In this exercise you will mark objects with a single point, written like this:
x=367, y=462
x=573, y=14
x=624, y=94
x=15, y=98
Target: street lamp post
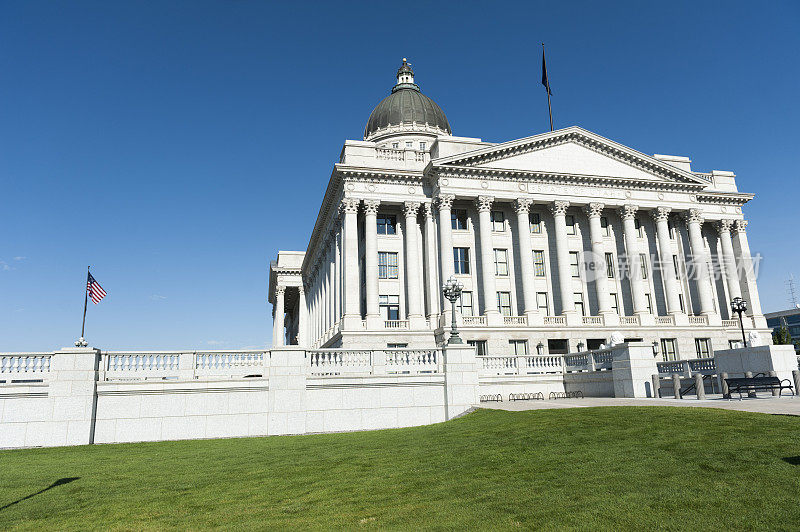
x=739, y=306
x=452, y=291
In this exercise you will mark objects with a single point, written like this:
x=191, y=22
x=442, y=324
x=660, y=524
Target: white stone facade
x=589, y=197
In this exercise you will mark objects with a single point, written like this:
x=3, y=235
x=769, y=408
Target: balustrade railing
x=629, y=320
x=592, y=320
x=13, y=364
x=705, y=366
x=181, y=365
x=702, y=365
x=665, y=320
x=515, y=320
x=538, y=364
x=395, y=324
x=412, y=360
x=474, y=320
x=698, y=320
x=730, y=324
x=339, y=361
x=555, y=320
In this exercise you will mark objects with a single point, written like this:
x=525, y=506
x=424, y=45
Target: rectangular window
x=703, y=347
x=396, y=346
x=638, y=225
x=649, y=303
x=541, y=302
x=387, y=265
x=643, y=264
x=519, y=347
x=570, y=221
x=465, y=304
x=479, y=345
x=671, y=228
x=409, y=144
x=498, y=221
x=538, y=263
x=680, y=300
x=504, y=303
x=578, y=298
x=614, y=302
x=669, y=349
x=389, y=307
x=604, y=226
x=676, y=265
x=395, y=145
x=387, y=224
x=610, y=265
x=422, y=146
x=536, y=222
x=458, y=219
x=461, y=261
x=501, y=262
x=573, y=264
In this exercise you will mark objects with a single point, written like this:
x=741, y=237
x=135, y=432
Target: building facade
x=560, y=240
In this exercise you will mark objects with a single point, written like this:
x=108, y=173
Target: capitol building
x=560, y=240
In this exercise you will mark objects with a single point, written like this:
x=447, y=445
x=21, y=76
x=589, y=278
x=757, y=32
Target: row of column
x=335, y=288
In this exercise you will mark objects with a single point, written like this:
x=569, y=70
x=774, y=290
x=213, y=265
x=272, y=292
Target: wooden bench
x=757, y=384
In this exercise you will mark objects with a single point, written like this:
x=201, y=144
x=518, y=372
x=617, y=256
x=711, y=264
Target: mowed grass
x=588, y=468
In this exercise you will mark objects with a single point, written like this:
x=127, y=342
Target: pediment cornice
x=574, y=134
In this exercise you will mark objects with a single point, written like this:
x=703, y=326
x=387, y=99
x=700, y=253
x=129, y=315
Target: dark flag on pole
x=546, y=84
x=544, y=74
x=96, y=293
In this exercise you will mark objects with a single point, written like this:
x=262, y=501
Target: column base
x=494, y=319
x=374, y=321
x=572, y=318
x=610, y=318
x=535, y=319
x=417, y=322
x=352, y=322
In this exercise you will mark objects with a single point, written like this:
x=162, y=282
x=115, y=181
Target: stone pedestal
x=461, y=379
x=73, y=391
x=761, y=359
x=287, y=392
x=633, y=367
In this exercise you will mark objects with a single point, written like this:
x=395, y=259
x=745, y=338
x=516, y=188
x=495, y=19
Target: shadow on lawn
x=58, y=482
x=794, y=460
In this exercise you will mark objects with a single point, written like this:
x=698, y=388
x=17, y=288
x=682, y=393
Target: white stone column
x=729, y=259
x=489, y=292
x=337, y=294
x=413, y=284
x=748, y=268
x=302, y=317
x=329, y=264
x=324, y=299
x=628, y=215
x=600, y=275
x=352, y=281
x=694, y=221
x=277, y=332
x=432, y=286
x=523, y=207
x=668, y=273
x=559, y=210
x=371, y=262
x=445, y=204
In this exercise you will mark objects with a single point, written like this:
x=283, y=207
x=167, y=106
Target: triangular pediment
x=571, y=151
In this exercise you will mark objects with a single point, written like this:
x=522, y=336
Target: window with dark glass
x=479, y=345
x=574, y=264
x=498, y=221
x=610, y=265
x=458, y=219
x=389, y=307
x=604, y=226
x=570, y=221
x=536, y=222
x=461, y=260
x=387, y=224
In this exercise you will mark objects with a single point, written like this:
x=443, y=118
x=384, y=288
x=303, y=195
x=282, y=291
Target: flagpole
x=549, y=107
x=85, y=301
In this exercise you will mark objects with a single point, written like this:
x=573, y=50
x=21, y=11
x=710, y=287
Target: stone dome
x=406, y=110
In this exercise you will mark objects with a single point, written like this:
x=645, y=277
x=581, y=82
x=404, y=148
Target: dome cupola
x=406, y=110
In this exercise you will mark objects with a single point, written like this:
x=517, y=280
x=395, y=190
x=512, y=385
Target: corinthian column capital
x=628, y=211
x=371, y=206
x=484, y=203
x=428, y=208
x=523, y=205
x=349, y=205
x=594, y=210
x=693, y=216
x=661, y=214
x=740, y=225
x=559, y=207
x=445, y=201
x=411, y=208
x=724, y=226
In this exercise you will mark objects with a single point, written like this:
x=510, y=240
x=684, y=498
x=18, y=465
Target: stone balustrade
x=16, y=366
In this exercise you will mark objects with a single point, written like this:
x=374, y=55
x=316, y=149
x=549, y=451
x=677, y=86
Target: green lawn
x=631, y=468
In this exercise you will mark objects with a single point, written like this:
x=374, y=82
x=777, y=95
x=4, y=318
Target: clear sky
x=176, y=146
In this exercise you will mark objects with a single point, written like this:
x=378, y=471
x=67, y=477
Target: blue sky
x=176, y=146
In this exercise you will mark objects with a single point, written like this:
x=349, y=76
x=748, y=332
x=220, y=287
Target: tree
x=782, y=336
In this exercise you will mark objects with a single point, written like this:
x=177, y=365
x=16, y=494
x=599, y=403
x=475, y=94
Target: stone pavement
x=764, y=403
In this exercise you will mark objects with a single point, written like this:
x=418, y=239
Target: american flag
x=96, y=291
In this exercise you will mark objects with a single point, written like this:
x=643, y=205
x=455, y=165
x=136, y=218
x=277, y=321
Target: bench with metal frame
x=757, y=384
